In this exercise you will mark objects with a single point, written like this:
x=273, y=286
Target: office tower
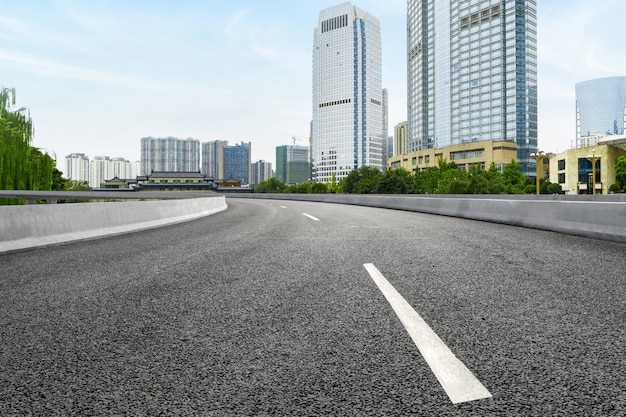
x=400, y=139
x=210, y=158
x=261, y=171
x=77, y=167
x=385, y=134
x=169, y=155
x=292, y=164
x=472, y=74
x=600, y=109
x=347, y=93
x=234, y=162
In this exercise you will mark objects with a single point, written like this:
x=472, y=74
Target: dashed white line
x=311, y=217
x=283, y=206
x=456, y=380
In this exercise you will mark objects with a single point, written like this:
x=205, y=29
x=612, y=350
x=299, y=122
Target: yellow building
x=572, y=169
x=463, y=155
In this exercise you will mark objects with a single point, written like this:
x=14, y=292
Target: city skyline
x=97, y=78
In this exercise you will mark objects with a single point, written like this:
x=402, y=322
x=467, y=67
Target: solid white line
x=311, y=217
x=458, y=381
x=283, y=207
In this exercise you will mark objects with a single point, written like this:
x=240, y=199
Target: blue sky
x=99, y=75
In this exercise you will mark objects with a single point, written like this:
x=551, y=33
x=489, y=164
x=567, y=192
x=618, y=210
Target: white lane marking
x=458, y=381
x=283, y=207
x=311, y=217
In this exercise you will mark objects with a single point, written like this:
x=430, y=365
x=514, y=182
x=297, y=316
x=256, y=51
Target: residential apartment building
x=472, y=75
x=292, y=164
x=347, y=127
x=600, y=110
x=261, y=171
x=77, y=167
x=169, y=154
x=210, y=157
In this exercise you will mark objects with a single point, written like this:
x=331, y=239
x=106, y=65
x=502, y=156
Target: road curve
x=267, y=309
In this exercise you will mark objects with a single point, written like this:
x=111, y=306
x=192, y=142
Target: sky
x=98, y=75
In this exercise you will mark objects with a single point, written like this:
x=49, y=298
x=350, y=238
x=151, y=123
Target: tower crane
x=302, y=138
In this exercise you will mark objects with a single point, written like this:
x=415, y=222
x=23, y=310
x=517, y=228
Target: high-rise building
x=292, y=164
x=385, y=134
x=103, y=168
x=77, y=167
x=210, y=157
x=600, y=109
x=261, y=171
x=472, y=74
x=234, y=162
x=347, y=122
x=170, y=155
x=400, y=140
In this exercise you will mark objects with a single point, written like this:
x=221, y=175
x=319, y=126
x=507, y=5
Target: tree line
x=445, y=178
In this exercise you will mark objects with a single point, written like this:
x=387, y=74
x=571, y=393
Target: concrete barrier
x=30, y=226
x=598, y=217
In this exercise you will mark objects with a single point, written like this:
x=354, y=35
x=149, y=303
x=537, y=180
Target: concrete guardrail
x=29, y=226
x=598, y=217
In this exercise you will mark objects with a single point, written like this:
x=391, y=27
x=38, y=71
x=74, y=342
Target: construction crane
x=296, y=138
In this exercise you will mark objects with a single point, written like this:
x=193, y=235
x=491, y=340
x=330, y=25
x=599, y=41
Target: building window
x=414, y=160
x=562, y=178
x=561, y=164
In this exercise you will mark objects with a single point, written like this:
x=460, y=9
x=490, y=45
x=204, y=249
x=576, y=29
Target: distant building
x=77, y=167
x=347, y=128
x=171, y=181
x=400, y=139
x=385, y=133
x=261, y=171
x=103, y=168
x=169, y=155
x=600, y=110
x=472, y=75
x=292, y=164
x=211, y=157
x=234, y=162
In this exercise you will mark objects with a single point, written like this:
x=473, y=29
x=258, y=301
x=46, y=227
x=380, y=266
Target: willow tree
x=22, y=167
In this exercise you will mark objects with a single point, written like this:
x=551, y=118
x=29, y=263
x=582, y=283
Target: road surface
x=281, y=308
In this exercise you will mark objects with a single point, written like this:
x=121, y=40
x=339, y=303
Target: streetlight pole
x=538, y=157
x=593, y=159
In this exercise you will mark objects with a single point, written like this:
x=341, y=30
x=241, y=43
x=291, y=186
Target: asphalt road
x=263, y=310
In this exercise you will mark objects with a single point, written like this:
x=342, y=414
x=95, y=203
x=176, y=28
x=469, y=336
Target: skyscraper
x=260, y=171
x=472, y=74
x=347, y=122
x=292, y=164
x=600, y=109
x=169, y=154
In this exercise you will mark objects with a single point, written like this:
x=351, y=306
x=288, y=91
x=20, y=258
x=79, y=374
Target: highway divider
x=29, y=226
x=598, y=217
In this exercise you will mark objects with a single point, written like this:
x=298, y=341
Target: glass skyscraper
x=600, y=107
x=347, y=122
x=472, y=74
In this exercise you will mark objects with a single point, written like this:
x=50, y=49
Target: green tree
x=271, y=185
x=514, y=180
x=396, y=181
x=364, y=180
x=620, y=172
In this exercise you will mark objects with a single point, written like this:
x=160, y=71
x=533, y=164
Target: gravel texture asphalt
x=260, y=310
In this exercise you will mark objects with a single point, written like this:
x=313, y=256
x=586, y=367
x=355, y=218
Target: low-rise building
x=572, y=169
x=464, y=155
